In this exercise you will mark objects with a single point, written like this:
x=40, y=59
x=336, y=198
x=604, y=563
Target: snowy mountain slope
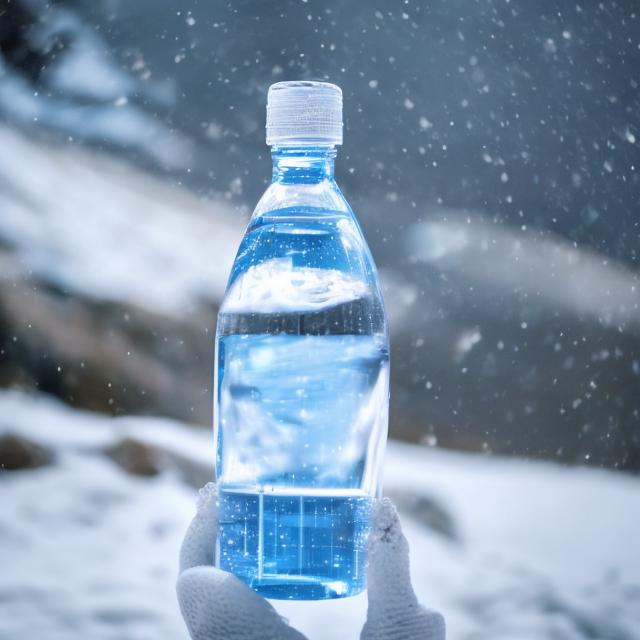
x=96, y=226
x=87, y=550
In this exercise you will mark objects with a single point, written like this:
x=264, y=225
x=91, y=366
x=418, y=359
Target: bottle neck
x=302, y=164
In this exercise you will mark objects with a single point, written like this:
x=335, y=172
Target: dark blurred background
x=491, y=156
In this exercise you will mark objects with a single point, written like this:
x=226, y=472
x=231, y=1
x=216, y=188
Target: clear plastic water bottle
x=302, y=380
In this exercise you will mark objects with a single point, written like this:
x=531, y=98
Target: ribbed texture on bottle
x=304, y=112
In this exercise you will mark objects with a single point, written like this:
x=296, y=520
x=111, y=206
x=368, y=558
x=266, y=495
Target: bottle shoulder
x=324, y=195
x=304, y=256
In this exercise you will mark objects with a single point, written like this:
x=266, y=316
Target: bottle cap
x=304, y=111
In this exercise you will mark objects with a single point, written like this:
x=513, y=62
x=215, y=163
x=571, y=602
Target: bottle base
x=303, y=588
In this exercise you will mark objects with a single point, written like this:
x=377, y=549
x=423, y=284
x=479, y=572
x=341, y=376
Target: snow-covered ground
x=89, y=551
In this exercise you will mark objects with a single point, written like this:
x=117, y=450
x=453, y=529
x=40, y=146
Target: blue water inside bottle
x=311, y=544
x=301, y=391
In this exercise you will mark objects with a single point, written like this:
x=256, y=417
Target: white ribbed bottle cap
x=308, y=112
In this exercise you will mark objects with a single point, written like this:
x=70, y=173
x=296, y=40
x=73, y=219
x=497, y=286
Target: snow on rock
x=81, y=90
x=88, y=550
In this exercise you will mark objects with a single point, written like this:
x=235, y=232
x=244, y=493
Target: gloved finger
x=217, y=606
x=394, y=611
x=198, y=546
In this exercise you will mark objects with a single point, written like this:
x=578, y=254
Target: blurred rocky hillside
x=504, y=221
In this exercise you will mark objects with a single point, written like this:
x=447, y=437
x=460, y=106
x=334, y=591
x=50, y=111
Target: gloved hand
x=218, y=605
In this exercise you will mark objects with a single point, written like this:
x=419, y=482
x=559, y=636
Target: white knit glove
x=218, y=606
